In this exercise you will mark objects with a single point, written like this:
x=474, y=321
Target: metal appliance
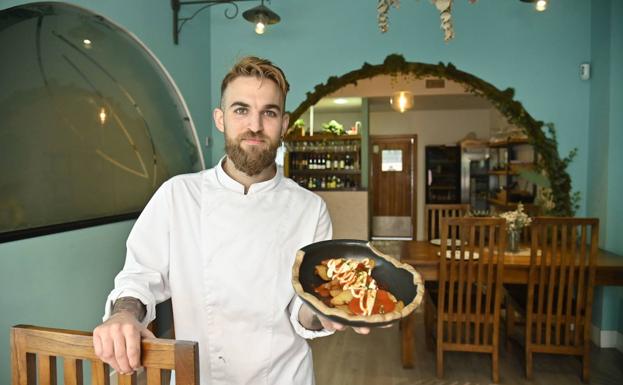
x=475, y=174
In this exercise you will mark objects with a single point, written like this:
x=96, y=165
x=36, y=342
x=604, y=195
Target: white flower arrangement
x=516, y=220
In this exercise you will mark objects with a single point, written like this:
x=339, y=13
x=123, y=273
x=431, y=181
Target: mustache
x=254, y=136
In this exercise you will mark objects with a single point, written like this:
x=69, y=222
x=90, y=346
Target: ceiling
x=429, y=94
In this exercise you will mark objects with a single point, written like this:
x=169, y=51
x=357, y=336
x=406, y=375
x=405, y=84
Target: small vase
x=513, y=240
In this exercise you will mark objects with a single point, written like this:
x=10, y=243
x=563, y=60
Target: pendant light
x=401, y=101
x=261, y=16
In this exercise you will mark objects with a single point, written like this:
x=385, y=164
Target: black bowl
x=398, y=278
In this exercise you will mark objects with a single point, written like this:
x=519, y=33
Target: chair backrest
x=433, y=213
x=560, y=284
x=34, y=351
x=470, y=279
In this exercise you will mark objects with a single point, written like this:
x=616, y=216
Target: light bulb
x=260, y=28
x=402, y=102
x=102, y=116
x=541, y=5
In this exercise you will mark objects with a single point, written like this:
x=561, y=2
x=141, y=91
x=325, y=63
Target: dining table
x=424, y=257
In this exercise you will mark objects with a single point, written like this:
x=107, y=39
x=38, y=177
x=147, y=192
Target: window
x=391, y=160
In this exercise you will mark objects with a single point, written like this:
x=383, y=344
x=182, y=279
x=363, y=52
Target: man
x=220, y=243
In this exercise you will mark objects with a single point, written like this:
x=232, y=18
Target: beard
x=254, y=160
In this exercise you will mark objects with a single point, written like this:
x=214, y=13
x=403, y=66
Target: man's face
x=252, y=118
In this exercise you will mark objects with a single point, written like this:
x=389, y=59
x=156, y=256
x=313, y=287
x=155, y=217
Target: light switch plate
x=585, y=71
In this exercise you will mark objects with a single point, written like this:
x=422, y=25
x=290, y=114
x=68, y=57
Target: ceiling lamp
x=261, y=15
x=539, y=5
x=402, y=101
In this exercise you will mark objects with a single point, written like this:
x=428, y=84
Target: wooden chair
x=470, y=292
x=557, y=302
x=34, y=351
x=433, y=213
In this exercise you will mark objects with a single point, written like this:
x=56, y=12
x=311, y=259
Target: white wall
x=432, y=128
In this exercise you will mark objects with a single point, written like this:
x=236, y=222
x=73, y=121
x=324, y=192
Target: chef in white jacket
x=220, y=243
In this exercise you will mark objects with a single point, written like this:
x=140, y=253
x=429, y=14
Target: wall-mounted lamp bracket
x=178, y=22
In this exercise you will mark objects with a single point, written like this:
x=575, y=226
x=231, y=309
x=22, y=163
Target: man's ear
x=218, y=116
x=285, y=123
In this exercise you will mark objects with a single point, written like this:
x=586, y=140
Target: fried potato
x=342, y=298
x=321, y=271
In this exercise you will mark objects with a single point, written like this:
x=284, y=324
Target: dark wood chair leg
x=586, y=362
x=429, y=322
x=510, y=323
x=439, y=365
x=495, y=367
x=528, y=364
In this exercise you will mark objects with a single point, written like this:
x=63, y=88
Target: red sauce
x=383, y=304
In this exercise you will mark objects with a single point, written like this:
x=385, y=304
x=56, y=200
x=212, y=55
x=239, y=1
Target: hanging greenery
x=546, y=146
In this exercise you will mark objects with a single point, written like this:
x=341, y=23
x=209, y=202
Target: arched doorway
x=545, y=145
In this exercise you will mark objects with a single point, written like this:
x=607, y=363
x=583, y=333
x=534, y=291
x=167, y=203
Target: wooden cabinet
x=324, y=162
x=508, y=159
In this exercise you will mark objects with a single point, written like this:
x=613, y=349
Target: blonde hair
x=259, y=68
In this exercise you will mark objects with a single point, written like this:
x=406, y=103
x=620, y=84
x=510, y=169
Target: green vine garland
x=545, y=146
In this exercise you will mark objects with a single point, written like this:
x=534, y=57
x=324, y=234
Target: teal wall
x=605, y=176
x=62, y=280
x=503, y=42
x=58, y=280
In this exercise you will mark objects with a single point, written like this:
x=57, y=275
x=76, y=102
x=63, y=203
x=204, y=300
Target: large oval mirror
x=91, y=124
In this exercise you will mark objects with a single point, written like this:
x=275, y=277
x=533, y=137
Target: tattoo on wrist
x=130, y=305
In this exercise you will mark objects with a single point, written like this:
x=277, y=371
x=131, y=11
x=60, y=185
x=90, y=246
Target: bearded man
x=221, y=243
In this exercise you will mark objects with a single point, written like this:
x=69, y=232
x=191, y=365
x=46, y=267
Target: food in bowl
x=350, y=287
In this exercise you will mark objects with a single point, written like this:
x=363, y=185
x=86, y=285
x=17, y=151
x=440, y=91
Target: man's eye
x=241, y=111
x=270, y=113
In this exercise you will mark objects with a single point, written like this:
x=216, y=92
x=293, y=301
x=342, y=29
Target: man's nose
x=255, y=123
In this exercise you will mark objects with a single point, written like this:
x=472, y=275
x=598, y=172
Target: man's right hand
x=117, y=341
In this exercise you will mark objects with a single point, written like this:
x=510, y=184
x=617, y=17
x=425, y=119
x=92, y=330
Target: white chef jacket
x=225, y=258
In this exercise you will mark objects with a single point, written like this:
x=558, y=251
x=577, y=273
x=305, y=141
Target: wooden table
x=423, y=256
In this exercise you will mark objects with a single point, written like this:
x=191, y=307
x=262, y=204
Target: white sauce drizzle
x=345, y=272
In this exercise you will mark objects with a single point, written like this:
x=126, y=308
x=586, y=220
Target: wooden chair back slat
x=479, y=283
x=570, y=285
x=99, y=373
x=154, y=376
x=123, y=379
x=560, y=286
x=578, y=305
x=47, y=370
x=30, y=342
x=72, y=371
x=434, y=213
x=560, y=292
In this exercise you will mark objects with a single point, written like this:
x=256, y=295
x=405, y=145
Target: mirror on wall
x=91, y=122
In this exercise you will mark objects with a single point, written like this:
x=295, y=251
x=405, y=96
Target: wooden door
x=392, y=175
